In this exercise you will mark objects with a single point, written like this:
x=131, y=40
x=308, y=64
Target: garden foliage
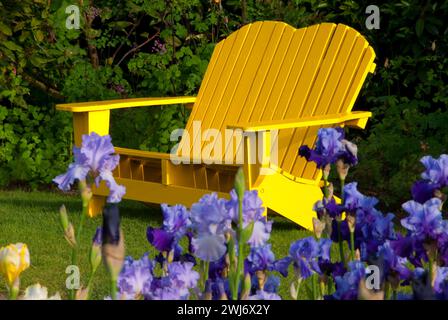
x=138, y=48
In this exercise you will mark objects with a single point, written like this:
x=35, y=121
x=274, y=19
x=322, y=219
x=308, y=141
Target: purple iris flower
x=210, y=221
x=96, y=159
x=216, y=268
x=261, y=233
x=98, y=237
x=263, y=295
x=304, y=254
x=182, y=276
x=252, y=213
x=436, y=169
x=442, y=245
x=421, y=285
x=333, y=209
x=411, y=248
x=210, y=215
x=271, y=285
x=209, y=247
x=260, y=259
x=434, y=177
x=136, y=276
x=334, y=270
x=441, y=280
x=347, y=285
x=252, y=207
x=392, y=263
x=159, y=291
x=423, y=190
x=162, y=240
x=176, y=285
x=356, y=200
x=425, y=220
x=330, y=147
x=176, y=219
x=324, y=249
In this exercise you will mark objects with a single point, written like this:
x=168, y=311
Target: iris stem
x=14, y=292
x=342, y=190
x=76, y=246
x=341, y=245
x=430, y=266
x=352, y=245
x=314, y=283
x=90, y=284
x=240, y=265
x=113, y=287
x=205, y=265
x=325, y=188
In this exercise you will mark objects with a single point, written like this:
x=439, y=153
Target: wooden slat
x=282, y=90
x=294, y=106
x=122, y=103
x=331, y=71
x=335, y=105
x=207, y=89
x=269, y=71
x=221, y=76
x=258, y=61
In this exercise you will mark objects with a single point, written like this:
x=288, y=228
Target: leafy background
x=141, y=48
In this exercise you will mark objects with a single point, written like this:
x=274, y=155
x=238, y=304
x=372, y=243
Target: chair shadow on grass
x=135, y=210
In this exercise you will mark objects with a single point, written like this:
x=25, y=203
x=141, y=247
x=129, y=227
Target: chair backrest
x=271, y=71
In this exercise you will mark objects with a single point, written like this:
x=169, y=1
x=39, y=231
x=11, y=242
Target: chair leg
x=96, y=205
x=290, y=199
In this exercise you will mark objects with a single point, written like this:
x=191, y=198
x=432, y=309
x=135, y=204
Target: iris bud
x=261, y=276
x=351, y=221
x=86, y=193
x=342, y=169
x=113, y=243
x=64, y=217
x=240, y=183
x=95, y=250
x=326, y=171
x=318, y=227
x=247, y=283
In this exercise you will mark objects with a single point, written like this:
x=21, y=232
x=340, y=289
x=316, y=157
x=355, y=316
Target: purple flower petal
x=209, y=247
x=160, y=239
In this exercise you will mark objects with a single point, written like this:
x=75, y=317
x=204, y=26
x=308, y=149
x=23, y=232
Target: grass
x=32, y=218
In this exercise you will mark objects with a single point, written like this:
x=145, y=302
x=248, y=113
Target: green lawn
x=32, y=218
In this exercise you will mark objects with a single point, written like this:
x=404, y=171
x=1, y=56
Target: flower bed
x=219, y=249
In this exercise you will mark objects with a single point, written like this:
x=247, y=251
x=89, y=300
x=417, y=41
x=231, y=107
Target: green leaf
x=247, y=232
x=5, y=29
x=12, y=46
x=120, y=24
x=419, y=26
x=38, y=35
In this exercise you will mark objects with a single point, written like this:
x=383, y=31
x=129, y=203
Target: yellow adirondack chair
x=265, y=76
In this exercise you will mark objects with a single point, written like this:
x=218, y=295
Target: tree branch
x=93, y=53
x=127, y=34
x=137, y=47
x=42, y=86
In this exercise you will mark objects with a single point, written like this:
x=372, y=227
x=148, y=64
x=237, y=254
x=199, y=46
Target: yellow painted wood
x=328, y=119
x=151, y=192
x=123, y=103
x=290, y=199
x=266, y=76
x=87, y=122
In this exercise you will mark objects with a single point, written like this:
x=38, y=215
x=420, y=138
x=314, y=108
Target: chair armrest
x=123, y=103
x=355, y=119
